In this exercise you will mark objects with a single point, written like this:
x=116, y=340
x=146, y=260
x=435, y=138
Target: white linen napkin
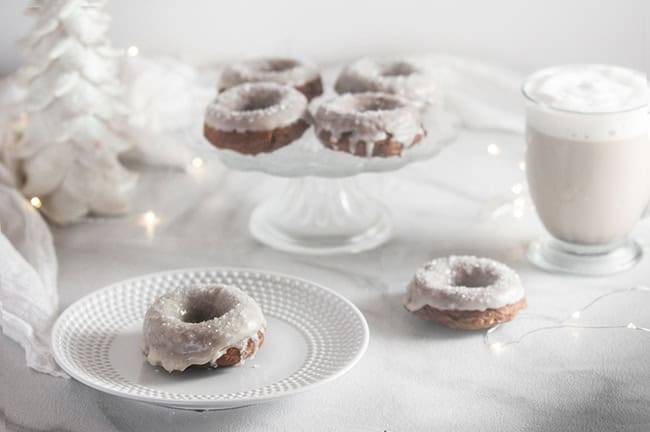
x=28, y=268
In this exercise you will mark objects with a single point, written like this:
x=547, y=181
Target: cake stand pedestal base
x=321, y=216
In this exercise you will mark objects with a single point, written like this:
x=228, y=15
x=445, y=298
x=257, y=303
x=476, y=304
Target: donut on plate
x=398, y=77
x=465, y=292
x=295, y=73
x=256, y=118
x=210, y=326
x=368, y=124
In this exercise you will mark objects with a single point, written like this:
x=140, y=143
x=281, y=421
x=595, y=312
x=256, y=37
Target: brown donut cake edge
x=255, y=142
x=471, y=319
x=233, y=356
x=383, y=148
x=312, y=88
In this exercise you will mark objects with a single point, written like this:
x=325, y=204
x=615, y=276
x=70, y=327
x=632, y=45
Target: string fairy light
x=36, y=202
x=493, y=149
x=197, y=162
x=149, y=219
x=517, y=188
x=568, y=323
x=132, y=51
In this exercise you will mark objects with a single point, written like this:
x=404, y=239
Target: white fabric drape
x=28, y=269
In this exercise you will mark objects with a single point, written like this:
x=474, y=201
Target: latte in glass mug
x=588, y=153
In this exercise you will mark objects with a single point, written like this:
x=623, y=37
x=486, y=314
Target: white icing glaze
x=588, y=102
x=369, y=117
x=463, y=283
x=278, y=70
x=396, y=77
x=198, y=325
x=256, y=107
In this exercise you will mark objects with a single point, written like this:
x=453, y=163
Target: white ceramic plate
x=314, y=335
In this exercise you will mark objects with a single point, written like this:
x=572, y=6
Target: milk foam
x=588, y=102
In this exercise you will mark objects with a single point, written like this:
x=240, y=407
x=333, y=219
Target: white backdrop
x=521, y=34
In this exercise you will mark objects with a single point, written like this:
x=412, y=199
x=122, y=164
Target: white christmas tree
x=69, y=151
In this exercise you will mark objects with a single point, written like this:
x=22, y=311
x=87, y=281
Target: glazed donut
x=368, y=124
x=465, y=292
x=398, y=77
x=208, y=326
x=256, y=118
x=300, y=75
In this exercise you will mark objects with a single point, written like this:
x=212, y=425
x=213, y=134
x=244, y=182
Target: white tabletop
x=415, y=375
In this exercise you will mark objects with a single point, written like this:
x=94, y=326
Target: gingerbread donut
x=209, y=326
x=398, y=77
x=465, y=292
x=256, y=118
x=286, y=71
x=368, y=124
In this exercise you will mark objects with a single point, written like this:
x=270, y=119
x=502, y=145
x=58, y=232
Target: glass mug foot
x=557, y=256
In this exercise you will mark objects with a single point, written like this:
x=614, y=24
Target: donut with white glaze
x=256, y=118
x=465, y=292
x=398, y=77
x=301, y=75
x=208, y=326
x=368, y=124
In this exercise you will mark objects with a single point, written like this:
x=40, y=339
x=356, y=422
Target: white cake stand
x=323, y=210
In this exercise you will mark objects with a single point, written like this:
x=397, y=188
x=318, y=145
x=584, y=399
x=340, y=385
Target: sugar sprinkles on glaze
x=256, y=107
x=368, y=118
x=278, y=70
x=398, y=77
x=464, y=283
x=197, y=326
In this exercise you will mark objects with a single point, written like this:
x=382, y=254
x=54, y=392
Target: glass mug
x=588, y=165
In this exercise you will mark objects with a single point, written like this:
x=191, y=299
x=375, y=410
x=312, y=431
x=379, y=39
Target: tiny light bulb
x=150, y=218
x=197, y=162
x=133, y=51
x=632, y=326
x=575, y=315
x=518, y=213
x=519, y=202
x=496, y=347
x=493, y=149
x=517, y=188
x=36, y=202
x=522, y=165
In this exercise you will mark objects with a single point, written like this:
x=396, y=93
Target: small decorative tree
x=68, y=156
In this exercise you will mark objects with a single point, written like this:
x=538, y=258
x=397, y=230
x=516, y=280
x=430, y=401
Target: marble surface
x=415, y=376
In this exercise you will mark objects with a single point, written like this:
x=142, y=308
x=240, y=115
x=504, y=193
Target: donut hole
x=398, y=69
x=204, y=307
x=473, y=277
x=377, y=104
x=259, y=100
x=278, y=65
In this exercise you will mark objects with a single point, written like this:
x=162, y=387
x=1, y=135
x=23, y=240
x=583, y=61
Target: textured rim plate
x=314, y=336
